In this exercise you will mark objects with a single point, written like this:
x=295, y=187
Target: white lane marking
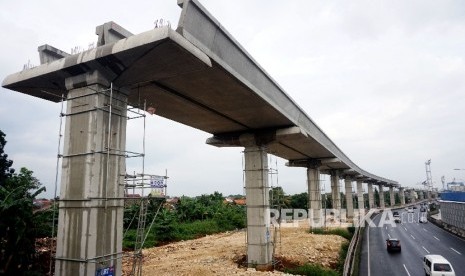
x=386, y=227
x=425, y=249
x=412, y=237
x=406, y=270
x=368, y=239
x=435, y=238
x=425, y=230
x=405, y=229
x=456, y=251
x=389, y=236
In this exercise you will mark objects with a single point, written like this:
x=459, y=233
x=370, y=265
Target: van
x=437, y=265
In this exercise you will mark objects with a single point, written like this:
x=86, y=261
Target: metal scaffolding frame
x=140, y=181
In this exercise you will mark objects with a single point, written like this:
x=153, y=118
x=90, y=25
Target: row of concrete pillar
x=314, y=189
x=259, y=243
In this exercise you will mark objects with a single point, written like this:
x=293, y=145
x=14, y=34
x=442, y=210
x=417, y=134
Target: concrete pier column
x=349, y=198
x=361, y=203
x=413, y=196
x=90, y=224
x=371, y=198
x=314, y=195
x=381, y=196
x=402, y=196
x=259, y=246
x=335, y=193
x=392, y=200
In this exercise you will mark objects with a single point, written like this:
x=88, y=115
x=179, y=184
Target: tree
x=278, y=199
x=5, y=164
x=299, y=201
x=17, y=225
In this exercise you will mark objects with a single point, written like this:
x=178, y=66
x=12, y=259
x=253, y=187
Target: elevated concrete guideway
x=203, y=78
x=197, y=75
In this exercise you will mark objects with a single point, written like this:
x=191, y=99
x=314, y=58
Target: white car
x=423, y=219
x=437, y=265
x=410, y=210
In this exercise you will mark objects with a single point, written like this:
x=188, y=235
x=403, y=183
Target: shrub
x=312, y=269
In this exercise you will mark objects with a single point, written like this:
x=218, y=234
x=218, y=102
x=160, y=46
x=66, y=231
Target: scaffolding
x=274, y=203
x=135, y=188
x=135, y=183
x=153, y=201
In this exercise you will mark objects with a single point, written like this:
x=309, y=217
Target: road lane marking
x=406, y=270
x=425, y=230
x=425, y=249
x=368, y=239
x=456, y=251
x=435, y=238
x=386, y=227
x=405, y=228
x=389, y=236
x=412, y=237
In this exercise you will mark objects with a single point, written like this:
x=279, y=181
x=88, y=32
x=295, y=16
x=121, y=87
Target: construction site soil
x=225, y=254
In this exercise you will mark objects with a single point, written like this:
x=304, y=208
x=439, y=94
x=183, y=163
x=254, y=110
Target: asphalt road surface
x=417, y=240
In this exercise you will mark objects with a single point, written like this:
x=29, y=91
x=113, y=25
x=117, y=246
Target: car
x=410, y=210
x=393, y=245
x=437, y=265
x=423, y=219
x=414, y=206
x=397, y=220
x=422, y=209
x=395, y=214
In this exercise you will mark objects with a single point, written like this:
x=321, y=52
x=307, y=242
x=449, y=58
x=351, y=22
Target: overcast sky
x=385, y=80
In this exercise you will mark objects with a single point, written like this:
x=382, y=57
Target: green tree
x=299, y=201
x=278, y=199
x=5, y=164
x=397, y=198
x=17, y=225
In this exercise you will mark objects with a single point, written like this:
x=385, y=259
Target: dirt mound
x=224, y=254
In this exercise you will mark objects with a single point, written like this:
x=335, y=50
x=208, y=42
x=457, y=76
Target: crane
x=429, y=179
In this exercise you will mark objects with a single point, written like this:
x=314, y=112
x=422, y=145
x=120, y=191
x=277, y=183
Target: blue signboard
x=106, y=271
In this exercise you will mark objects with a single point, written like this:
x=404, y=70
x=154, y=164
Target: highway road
x=417, y=240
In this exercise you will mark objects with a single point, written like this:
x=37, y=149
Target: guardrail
x=350, y=257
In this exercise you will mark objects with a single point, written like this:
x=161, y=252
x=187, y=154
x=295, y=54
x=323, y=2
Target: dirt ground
x=221, y=254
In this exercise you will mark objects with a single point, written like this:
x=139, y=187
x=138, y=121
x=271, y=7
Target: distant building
x=235, y=201
x=452, y=204
x=41, y=203
x=171, y=203
x=240, y=201
x=131, y=199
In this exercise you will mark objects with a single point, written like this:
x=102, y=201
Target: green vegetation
x=191, y=218
x=19, y=226
x=346, y=233
x=312, y=269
